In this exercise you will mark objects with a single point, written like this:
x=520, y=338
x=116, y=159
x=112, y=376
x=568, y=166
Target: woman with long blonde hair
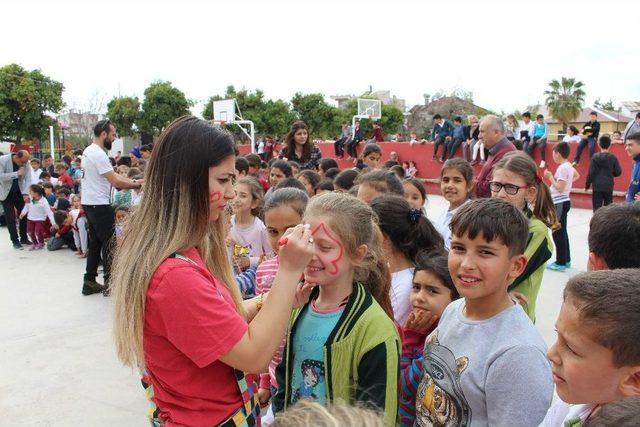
x=178, y=314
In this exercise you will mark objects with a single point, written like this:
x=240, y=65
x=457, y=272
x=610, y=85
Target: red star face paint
x=329, y=253
x=215, y=196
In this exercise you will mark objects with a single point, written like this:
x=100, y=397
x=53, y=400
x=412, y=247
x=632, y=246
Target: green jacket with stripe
x=538, y=252
x=361, y=357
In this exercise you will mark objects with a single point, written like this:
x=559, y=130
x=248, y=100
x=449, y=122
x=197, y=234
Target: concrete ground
x=57, y=359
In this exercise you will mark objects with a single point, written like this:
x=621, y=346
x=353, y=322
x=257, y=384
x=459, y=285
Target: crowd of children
x=461, y=292
x=55, y=215
x=430, y=323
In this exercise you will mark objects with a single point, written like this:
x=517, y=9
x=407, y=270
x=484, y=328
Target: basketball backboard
x=224, y=110
x=370, y=107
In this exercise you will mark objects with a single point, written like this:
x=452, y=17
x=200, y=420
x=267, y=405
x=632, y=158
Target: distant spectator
x=299, y=147
x=295, y=167
x=527, y=128
x=325, y=164
x=371, y=155
x=345, y=138
x=572, y=135
x=352, y=146
x=512, y=128
x=255, y=163
x=376, y=183
x=492, y=133
x=616, y=137
x=344, y=181
x=393, y=156
x=633, y=148
x=410, y=169
x=290, y=182
x=331, y=173
x=540, y=134
x=604, y=167
x=633, y=127
x=590, y=133
x=242, y=167
x=458, y=137
x=37, y=170
x=324, y=186
x=309, y=180
x=63, y=177
x=145, y=151
x=441, y=133
x=47, y=165
x=472, y=133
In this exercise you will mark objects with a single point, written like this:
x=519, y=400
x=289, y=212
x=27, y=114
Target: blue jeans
x=592, y=148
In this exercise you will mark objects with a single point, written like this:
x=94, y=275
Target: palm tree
x=564, y=100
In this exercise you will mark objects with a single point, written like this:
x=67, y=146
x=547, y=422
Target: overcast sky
x=505, y=52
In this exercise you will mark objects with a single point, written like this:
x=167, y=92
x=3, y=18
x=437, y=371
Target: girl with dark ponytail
x=405, y=231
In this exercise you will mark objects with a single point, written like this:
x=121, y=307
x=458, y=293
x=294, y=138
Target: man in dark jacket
x=441, y=133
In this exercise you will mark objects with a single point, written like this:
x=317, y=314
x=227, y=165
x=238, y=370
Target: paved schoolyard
x=57, y=360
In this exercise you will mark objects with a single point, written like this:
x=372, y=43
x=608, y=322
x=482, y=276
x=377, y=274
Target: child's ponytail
x=543, y=207
x=408, y=229
x=374, y=273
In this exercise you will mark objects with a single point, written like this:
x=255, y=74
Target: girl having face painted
x=347, y=324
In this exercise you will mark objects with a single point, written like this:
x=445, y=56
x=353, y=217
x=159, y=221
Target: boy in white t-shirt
x=596, y=358
x=485, y=363
x=560, y=185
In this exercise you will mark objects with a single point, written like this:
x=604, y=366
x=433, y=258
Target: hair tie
x=414, y=215
x=538, y=177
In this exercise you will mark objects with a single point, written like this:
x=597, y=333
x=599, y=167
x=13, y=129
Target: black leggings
x=530, y=145
x=561, y=236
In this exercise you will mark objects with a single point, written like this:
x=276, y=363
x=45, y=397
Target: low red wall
x=429, y=169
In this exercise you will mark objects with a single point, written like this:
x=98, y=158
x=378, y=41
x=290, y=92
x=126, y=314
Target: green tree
x=605, y=105
x=124, y=112
x=564, y=99
x=270, y=117
x=27, y=101
x=323, y=119
x=162, y=104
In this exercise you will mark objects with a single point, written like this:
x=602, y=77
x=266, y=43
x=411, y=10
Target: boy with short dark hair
x=560, y=185
x=458, y=137
x=255, y=163
x=614, y=237
x=485, y=363
x=63, y=176
x=242, y=167
x=603, y=168
x=596, y=358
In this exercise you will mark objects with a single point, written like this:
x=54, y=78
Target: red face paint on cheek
x=334, y=262
x=215, y=196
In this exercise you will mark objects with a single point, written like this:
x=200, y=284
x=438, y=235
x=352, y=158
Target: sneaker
x=34, y=247
x=26, y=242
x=556, y=267
x=18, y=245
x=568, y=265
x=91, y=287
x=543, y=164
x=106, y=292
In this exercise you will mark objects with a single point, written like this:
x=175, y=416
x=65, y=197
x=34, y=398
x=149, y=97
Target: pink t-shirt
x=253, y=237
x=190, y=321
x=563, y=173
